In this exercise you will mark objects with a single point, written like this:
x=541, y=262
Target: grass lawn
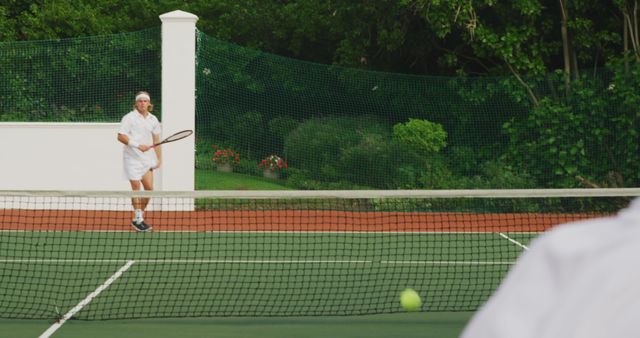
x=210, y=179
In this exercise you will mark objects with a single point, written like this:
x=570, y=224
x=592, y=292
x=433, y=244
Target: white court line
x=284, y=232
x=185, y=261
x=87, y=300
x=251, y=261
x=514, y=241
x=447, y=263
x=54, y=260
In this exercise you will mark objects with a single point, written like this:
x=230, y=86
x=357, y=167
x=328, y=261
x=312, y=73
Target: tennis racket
x=175, y=137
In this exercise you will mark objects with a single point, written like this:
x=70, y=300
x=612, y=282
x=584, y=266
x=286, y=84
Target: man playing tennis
x=139, y=131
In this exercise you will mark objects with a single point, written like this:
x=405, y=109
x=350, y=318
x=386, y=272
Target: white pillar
x=178, y=100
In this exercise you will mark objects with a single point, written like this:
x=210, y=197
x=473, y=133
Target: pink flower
x=222, y=156
x=273, y=163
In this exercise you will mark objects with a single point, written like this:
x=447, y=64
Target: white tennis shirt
x=139, y=129
x=580, y=279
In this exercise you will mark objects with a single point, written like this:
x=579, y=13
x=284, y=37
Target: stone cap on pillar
x=179, y=16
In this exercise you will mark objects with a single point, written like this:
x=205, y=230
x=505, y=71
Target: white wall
x=61, y=156
x=87, y=156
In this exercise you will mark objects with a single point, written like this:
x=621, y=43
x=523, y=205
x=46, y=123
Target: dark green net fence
x=342, y=128
x=89, y=79
x=334, y=125
x=327, y=127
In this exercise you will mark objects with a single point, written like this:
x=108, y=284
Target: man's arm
x=158, y=149
x=124, y=139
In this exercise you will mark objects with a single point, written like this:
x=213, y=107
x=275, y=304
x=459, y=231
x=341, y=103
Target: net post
x=178, y=99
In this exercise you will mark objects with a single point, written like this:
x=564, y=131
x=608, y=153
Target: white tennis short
x=136, y=167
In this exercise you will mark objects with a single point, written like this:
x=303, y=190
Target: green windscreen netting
x=334, y=125
x=315, y=126
x=342, y=128
x=89, y=79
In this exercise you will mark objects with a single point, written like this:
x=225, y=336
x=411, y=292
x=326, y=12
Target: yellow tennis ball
x=410, y=300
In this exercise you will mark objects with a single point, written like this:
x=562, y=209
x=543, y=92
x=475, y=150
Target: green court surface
x=245, y=284
x=406, y=325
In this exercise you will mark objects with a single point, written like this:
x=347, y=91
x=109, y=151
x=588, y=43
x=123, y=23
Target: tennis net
x=262, y=253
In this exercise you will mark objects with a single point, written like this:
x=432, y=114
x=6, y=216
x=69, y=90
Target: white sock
x=139, y=215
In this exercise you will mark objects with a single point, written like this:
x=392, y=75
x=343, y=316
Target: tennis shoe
x=147, y=226
x=140, y=226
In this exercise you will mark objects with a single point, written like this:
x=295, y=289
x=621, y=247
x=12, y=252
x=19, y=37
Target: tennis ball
x=410, y=300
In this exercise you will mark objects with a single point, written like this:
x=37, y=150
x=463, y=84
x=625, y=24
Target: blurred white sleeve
x=576, y=280
x=524, y=296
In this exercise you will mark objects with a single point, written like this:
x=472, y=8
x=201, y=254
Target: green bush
x=377, y=158
x=492, y=174
x=248, y=133
x=298, y=179
x=279, y=128
x=358, y=150
x=421, y=136
x=467, y=161
x=317, y=145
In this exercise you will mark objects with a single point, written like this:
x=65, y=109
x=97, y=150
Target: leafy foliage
x=591, y=133
x=565, y=118
x=84, y=79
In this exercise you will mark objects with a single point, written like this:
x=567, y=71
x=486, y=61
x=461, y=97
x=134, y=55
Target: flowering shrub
x=273, y=163
x=224, y=156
